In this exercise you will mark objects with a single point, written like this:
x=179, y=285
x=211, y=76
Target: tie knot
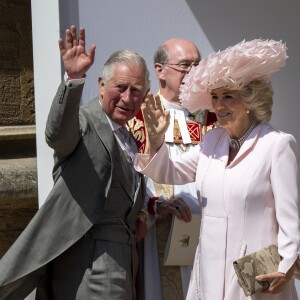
x=124, y=131
x=127, y=140
x=123, y=134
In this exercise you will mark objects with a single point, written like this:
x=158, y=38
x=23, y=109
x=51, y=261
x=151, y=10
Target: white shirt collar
x=179, y=113
x=169, y=105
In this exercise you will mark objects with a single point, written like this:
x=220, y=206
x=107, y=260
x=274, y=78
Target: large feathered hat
x=232, y=68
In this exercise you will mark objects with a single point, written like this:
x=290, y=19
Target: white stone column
x=47, y=76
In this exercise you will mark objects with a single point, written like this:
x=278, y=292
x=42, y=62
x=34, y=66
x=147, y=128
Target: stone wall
x=16, y=63
x=18, y=170
x=18, y=182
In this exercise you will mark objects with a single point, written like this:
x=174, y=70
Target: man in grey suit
x=81, y=244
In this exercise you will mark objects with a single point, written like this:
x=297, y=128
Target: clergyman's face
x=180, y=53
x=121, y=97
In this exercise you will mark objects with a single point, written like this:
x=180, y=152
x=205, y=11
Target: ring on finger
x=178, y=207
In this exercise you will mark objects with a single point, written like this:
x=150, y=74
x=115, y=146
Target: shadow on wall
x=226, y=23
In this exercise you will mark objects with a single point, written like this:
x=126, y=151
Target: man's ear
x=101, y=86
x=159, y=70
x=146, y=95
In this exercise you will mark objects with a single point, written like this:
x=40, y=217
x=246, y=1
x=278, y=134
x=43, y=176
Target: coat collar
x=102, y=127
x=247, y=146
x=222, y=146
x=105, y=133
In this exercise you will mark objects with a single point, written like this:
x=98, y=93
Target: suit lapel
x=102, y=126
x=117, y=156
x=220, y=149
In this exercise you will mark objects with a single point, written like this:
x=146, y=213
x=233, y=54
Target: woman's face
x=231, y=111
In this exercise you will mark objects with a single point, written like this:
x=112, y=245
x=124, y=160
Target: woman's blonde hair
x=258, y=97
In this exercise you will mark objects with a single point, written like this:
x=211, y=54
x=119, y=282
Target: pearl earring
x=247, y=111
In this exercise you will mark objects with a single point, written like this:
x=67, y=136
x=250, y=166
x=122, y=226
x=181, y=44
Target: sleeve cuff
x=286, y=264
x=72, y=83
x=152, y=204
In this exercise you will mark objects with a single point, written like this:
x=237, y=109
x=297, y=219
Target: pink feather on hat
x=232, y=68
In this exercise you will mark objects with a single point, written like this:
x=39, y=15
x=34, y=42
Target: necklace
x=236, y=144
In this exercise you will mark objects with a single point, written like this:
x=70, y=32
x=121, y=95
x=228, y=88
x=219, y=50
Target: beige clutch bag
x=261, y=262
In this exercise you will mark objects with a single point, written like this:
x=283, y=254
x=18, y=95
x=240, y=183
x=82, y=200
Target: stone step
x=18, y=182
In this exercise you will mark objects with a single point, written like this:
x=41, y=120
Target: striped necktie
x=129, y=148
x=128, y=143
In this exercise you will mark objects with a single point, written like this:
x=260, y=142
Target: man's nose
x=126, y=94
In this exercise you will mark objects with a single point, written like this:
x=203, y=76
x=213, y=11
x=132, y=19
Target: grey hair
x=161, y=55
x=258, y=97
x=125, y=57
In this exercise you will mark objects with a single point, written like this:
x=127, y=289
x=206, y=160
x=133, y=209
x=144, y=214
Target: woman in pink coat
x=246, y=171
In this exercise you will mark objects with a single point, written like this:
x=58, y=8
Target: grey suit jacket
x=85, y=158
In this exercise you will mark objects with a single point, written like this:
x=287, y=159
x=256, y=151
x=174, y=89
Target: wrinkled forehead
x=130, y=70
x=128, y=75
